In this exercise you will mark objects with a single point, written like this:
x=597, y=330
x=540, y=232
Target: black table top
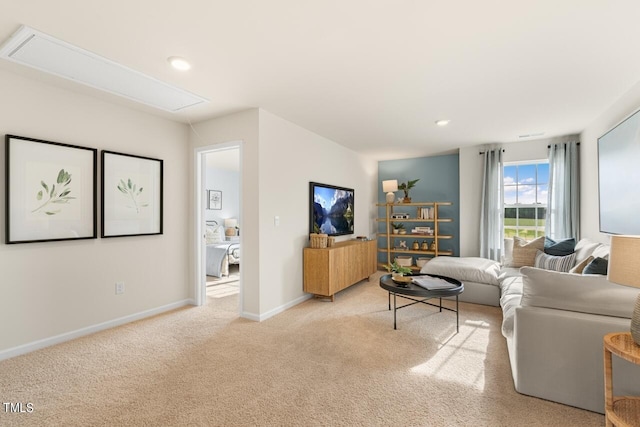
x=414, y=290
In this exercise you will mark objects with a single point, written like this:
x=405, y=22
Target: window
x=525, y=199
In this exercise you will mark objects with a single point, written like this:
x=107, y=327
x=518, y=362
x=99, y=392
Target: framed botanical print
x=215, y=199
x=132, y=195
x=50, y=191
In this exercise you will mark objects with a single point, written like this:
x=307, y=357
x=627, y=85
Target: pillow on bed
x=214, y=234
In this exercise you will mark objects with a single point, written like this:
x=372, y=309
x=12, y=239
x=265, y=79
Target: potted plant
x=397, y=270
x=406, y=186
x=398, y=227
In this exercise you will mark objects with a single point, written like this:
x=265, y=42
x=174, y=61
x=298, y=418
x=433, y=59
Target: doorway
x=218, y=223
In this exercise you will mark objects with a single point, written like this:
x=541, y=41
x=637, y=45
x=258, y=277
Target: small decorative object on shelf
x=404, y=261
x=318, y=241
x=406, y=187
x=424, y=246
x=397, y=227
x=421, y=261
x=416, y=246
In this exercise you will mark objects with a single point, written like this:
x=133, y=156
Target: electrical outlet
x=119, y=288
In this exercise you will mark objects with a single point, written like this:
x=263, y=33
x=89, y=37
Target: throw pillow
x=555, y=263
x=597, y=266
x=524, y=253
x=214, y=234
x=560, y=247
x=580, y=266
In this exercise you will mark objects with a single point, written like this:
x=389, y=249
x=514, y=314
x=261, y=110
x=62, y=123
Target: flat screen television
x=330, y=209
x=619, y=177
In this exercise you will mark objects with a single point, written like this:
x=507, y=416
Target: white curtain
x=491, y=228
x=563, y=202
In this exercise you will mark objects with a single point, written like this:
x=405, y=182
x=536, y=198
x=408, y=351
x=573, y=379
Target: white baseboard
x=68, y=336
x=277, y=310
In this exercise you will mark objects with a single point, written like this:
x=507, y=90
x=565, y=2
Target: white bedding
x=220, y=253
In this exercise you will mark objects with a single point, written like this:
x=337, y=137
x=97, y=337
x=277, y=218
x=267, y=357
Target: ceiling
x=371, y=75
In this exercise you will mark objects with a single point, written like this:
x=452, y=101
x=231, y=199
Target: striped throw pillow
x=555, y=263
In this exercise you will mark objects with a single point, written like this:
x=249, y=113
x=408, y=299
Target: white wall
x=278, y=160
x=228, y=182
x=241, y=127
x=589, y=207
x=291, y=157
x=57, y=288
x=471, y=183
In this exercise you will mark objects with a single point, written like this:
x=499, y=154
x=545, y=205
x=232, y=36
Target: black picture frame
x=132, y=195
x=50, y=191
x=214, y=200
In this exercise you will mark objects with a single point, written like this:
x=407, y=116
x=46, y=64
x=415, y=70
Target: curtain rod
x=549, y=146
x=482, y=152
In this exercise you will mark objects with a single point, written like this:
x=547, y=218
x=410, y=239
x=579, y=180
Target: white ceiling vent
x=45, y=53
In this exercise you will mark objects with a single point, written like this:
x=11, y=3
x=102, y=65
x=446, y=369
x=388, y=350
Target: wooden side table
x=620, y=410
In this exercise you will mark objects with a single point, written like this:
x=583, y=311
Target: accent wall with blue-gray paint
x=439, y=182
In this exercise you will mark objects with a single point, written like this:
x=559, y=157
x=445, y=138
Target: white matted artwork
x=51, y=191
x=131, y=195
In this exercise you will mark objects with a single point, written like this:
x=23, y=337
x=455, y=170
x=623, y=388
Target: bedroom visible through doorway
x=222, y=225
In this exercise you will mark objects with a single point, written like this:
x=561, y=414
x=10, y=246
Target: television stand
x=327, y=271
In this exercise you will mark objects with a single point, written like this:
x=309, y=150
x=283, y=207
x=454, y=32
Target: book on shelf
x=433, y=283
x=425, y=213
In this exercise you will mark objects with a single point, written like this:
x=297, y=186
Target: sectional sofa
x=554, y=323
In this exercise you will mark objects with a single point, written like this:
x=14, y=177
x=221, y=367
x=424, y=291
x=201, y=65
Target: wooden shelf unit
x=327, y=271
x=390, y=248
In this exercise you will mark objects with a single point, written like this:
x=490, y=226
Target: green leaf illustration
x=63, y=179
x=131, y=190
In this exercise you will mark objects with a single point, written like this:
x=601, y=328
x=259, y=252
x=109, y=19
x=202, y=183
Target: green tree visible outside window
x=525, y=199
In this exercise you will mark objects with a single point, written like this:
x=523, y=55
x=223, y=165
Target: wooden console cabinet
x=327, y=271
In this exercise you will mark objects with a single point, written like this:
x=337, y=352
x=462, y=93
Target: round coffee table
x=412, y=292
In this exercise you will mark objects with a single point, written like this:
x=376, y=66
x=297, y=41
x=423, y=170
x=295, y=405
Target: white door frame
x=200, y=272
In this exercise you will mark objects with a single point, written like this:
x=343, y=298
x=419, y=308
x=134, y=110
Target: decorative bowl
x=401, y=279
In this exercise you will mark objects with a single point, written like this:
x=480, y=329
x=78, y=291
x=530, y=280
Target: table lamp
x=230, y=225
x=624, y=269
x=389, y=187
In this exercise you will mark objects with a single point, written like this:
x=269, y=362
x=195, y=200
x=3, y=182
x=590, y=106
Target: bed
x=220, y=253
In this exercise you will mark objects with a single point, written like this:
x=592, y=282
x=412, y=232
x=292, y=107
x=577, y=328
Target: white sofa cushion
x=511, y=295
x=470, y=269
x=585, y=248
x=576, y=292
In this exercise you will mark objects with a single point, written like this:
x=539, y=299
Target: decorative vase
x=635, y=322
x=406, y=199
x=396, y=231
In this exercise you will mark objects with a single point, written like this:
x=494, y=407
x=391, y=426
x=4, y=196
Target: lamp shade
x=624, y=261
x=624, y=269
x=390, y=185
x=230, y=223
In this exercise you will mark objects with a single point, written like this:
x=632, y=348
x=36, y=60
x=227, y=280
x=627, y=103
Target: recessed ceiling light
x=442, y=122
x=179, y=63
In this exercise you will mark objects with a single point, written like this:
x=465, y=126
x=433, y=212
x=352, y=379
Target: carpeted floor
x=317, y=364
